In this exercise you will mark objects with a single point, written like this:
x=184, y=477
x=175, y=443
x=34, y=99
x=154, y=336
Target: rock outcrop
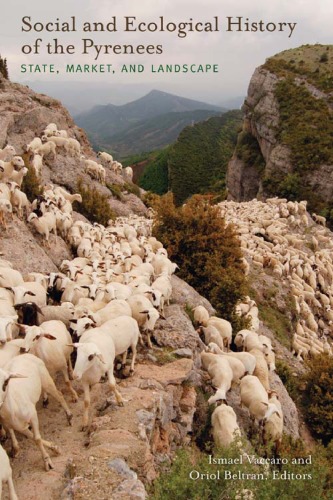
x=271, y=157
x=24, y=115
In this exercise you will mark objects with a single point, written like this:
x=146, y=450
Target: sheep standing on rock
x=225, y=426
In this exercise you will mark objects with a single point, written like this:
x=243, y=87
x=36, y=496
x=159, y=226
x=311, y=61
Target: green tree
x=318, y=397
x=205, y=248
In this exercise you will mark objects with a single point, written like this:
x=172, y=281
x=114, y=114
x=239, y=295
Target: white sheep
x=19, y=200
x=7, y=153
x=224, y=327
x=49, y=342
x=221, y=374
x=254, y=396
x=6, y=475
x=46, y=149
x=95, y=357
x=37, y=164
x=33, y=145
x=144, y=313
x=7, y=328
x=125, y=334
x=105, y=158
x=201, y=315
x=248, y=360
x=10, y=277
x=273, y=421
x=8, y=167
x=261, y=369
x=19, y=397
x=44, y=225
x=212, y=335
x=29, y=292
x=225, y=426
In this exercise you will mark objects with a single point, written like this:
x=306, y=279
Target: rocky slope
x=25, y=114
x=285, y=147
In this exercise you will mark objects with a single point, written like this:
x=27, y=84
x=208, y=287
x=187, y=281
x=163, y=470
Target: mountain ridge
x=103, y=122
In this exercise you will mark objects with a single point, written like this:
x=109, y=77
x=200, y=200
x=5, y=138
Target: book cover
x=166, y=250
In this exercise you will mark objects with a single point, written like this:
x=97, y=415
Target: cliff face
x=285, y=147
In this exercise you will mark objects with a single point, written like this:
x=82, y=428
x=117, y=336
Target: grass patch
x=277, y=322
x=95, y=206
x=290, y=382
x=115, y=190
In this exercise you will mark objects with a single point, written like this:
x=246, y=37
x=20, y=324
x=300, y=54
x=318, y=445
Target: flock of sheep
x=249, y=369
x=281, y=238
x=13, y=169
x=109, y=297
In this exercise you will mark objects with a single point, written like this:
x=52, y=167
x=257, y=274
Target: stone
x=121, y=467
x=184, y=294
x=183, y=353
x=130, y=490
x=172, y=373
x=177, y=330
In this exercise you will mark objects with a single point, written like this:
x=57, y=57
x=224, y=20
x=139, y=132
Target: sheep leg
x=48, y=444
x=113, y=386
x=86, y=407
x=45, y=400
x=124, y=358
x=38, y=440
x=150, y=345
x=15, y=446
x=70, y=369
x=11, y=489
x=49, y=387
x=69, y=385
x=133, y=347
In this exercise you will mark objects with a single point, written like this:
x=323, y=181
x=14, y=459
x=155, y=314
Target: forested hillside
x=197, y=161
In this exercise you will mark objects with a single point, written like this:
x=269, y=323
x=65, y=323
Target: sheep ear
x=16, y=375
x=48, y=336
x=100, y=357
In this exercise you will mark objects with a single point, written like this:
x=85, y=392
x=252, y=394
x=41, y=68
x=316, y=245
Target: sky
x=237, y=54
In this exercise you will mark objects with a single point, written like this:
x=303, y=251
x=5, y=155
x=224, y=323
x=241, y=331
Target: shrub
x=178, y=485
x=318, y=397
x=95, y=206
x=288, y=379
x=132, y=188
x=31, y=184
x=4, y=68
x=205, y=248
x=249, y=151
x=115, y=190
x=306, y=126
